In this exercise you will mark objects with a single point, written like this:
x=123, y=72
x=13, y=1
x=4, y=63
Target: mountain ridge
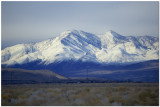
x=80, y=45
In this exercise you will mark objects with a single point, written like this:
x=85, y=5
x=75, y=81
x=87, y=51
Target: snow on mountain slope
x=117, y=48
x=79, y=45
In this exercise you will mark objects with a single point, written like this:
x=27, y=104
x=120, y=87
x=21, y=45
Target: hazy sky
x=24, y=22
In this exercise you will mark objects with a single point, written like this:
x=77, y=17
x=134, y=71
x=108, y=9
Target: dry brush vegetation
x=95, y=94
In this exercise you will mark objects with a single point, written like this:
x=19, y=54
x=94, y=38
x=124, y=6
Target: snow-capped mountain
x=87, y=47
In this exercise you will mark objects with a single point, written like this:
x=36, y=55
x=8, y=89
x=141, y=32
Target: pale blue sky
x=24, y=22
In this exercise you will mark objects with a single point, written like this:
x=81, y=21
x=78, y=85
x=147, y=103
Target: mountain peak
x=113, y=34
x=111, y=31
x=73, y=31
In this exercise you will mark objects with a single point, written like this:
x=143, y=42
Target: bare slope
x=15, y=75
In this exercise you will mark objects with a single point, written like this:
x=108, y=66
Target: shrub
x=152, y=95
x=147, y=93
x=111, y=99
x=4, y=96
x=120, y=100
x=142, y=96
x=121, y=88
x=87, y=89
x=22, y=97
x=23, y=103
x=130, y=102
x=137, y=89
x=56, y=93
x=93, y=102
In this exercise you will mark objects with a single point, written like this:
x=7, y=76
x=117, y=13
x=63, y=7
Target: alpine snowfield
x=87, y=47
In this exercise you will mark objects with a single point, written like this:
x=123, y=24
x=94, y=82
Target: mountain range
x=73, y=52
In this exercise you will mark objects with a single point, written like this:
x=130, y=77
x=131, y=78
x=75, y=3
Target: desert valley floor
x=80, y=94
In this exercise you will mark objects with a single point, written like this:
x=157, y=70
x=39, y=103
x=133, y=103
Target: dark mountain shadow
x=147, y=71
